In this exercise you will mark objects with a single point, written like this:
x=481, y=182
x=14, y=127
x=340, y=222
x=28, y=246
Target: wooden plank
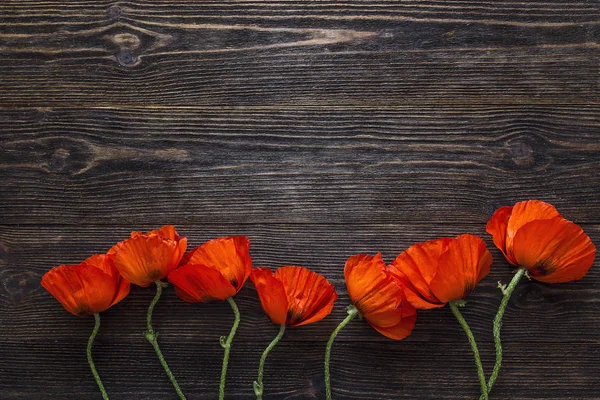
x=538, y=313
x=387, y=370
x=320, y=129
x=504, y=11
x=303, y=165
x=284, y=53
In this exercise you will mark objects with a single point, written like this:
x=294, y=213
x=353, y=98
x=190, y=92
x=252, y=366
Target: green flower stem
x=498, y=323
x=258, y=384
x=352, y=313
x=91, y=361
x=152, y=337
x=454, y=307
x=227, y=345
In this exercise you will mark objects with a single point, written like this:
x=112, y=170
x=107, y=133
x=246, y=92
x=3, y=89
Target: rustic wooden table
x=320, y=129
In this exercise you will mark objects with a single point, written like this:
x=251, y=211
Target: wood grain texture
x=549, y=329
x=275, y=53
x=320, y=129
x=302, y=165
x=562, y=312
x=396, y=370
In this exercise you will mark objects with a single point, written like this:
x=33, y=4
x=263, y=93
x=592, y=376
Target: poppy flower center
x=542, y=268
x=84, y=311
x=154, y=274
x=293, y=316
x=469, y=287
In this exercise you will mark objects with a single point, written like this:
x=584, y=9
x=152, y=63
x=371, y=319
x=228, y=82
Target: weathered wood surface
x=300, y=165
x=282, y=52
x=550, y=331
x=319, y=129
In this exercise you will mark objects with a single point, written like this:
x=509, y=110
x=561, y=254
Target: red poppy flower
x=532, y=234
x=293, y=296
x=442, y=270
x=216, y=270
x=379, y=297
x=87, y=288
x=145, y=258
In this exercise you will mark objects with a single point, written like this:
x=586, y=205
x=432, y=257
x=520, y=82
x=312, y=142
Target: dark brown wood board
x=320, y=129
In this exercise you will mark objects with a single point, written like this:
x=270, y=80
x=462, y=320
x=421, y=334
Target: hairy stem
x=465, y=326
x=498, y=324
x=152, y=337
x=227, y=346
x=91, y=361
x=352, y=313
x=258, y=384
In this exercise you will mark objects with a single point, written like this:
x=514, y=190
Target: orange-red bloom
x=442, y=270
x=293, y=296
x=216, y=270
x=379, y=297
x=87, y=288
x=145, y=258
x=533, y=234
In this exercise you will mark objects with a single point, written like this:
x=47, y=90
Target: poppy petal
x=522, y=213
x=362, y=273
x=310, y=296
x=106, y=264
x=81, y=289
x=271, y=294
x=178, y=253
x=373, y=290
x=400, y=330
x=497, y=226
x=144, y=259
x=103, y=263
x=201, y=283
x=122, y=291
x=187, y=257
x=167, y=232
x=416, y=267
x=460, y=268
x=554, y=250
x=242, y=244
x=316, y=316
x=184, y=296
x=228, y=255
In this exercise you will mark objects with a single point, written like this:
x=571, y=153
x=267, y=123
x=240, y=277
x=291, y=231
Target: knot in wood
x=58, y=160
x=115, y=12
x=19, y=286
x=527, y=151
x=127, y=59
x=521, y=153
x=126, y=40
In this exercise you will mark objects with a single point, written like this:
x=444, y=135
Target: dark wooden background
x=320, y=129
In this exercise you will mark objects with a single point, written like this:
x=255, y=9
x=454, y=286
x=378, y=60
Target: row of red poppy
x=532, y=235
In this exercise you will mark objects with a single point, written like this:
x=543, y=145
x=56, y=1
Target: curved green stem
x=152, y=337
x=258, y=384
x=498, y=323
x=227, y=345
x=91, y=361
x=465, y=326
x=352, y=313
